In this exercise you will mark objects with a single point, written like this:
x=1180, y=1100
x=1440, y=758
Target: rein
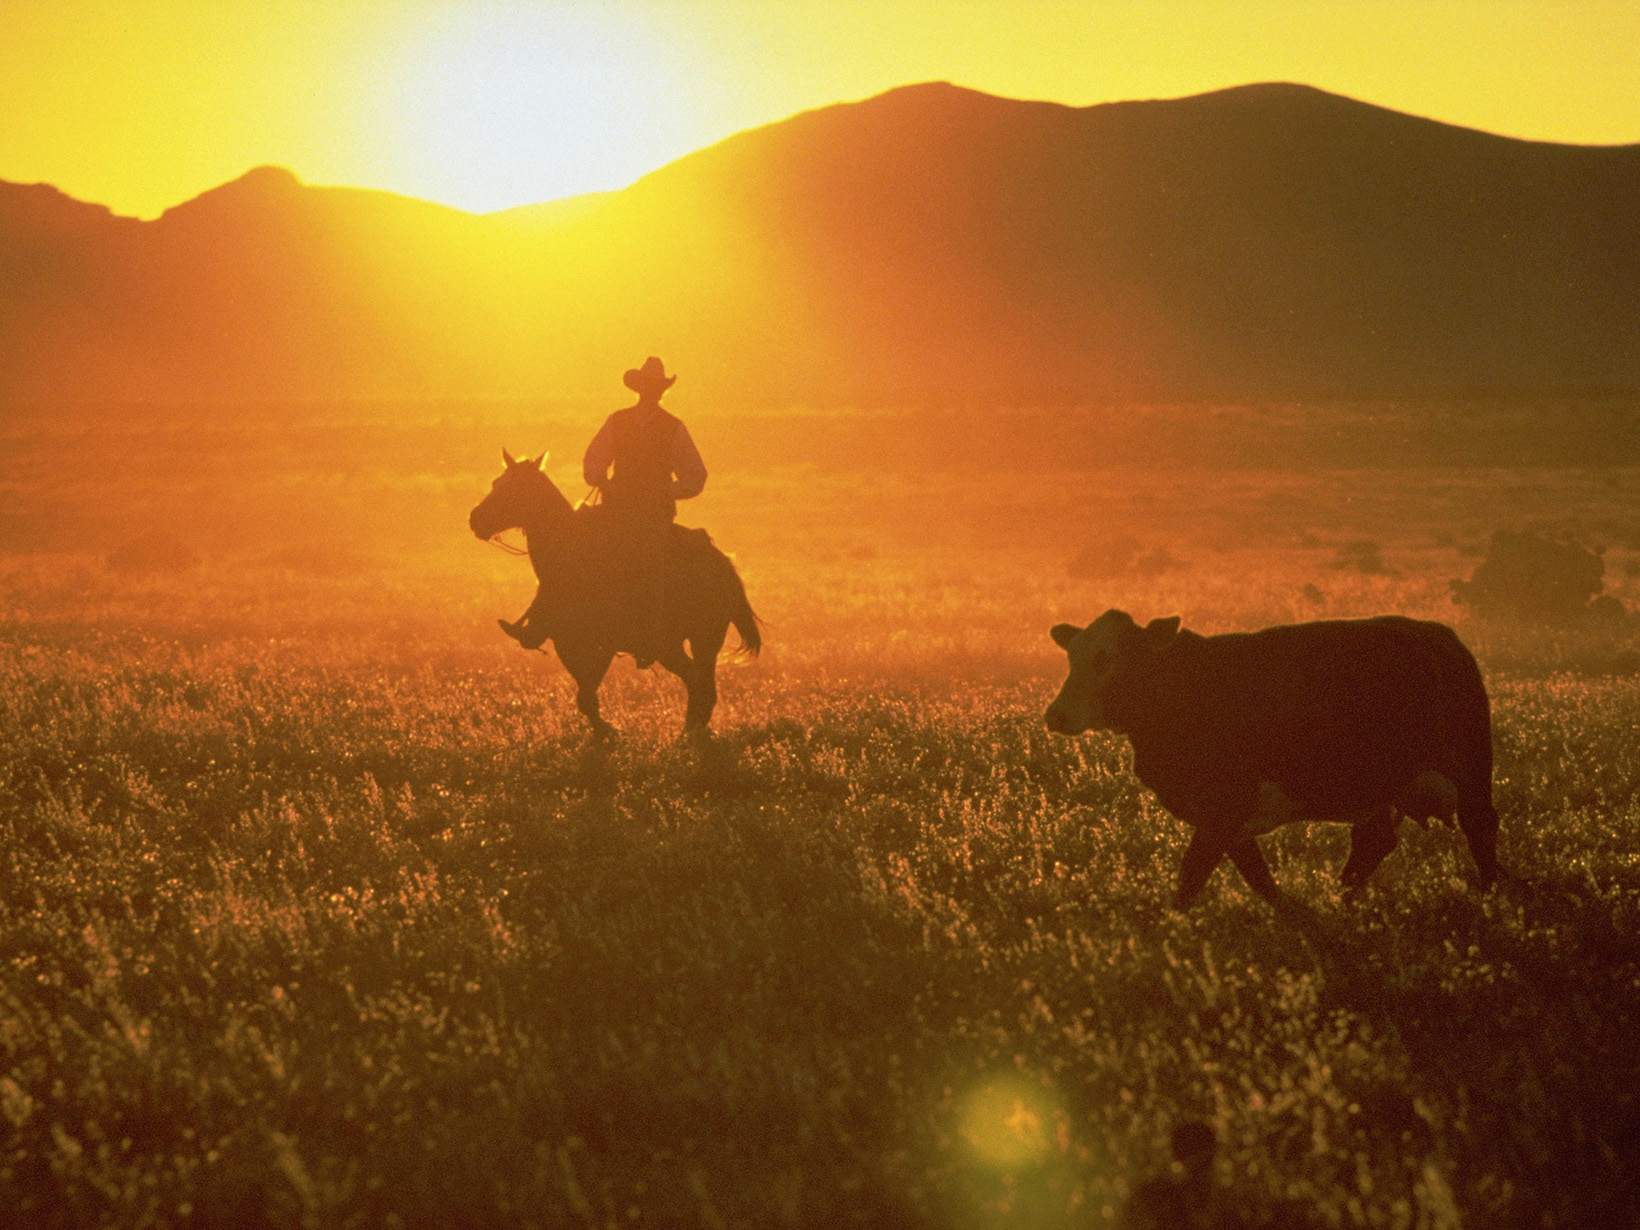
x=495, y=541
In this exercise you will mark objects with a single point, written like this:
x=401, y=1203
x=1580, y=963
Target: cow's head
x=1097, y=653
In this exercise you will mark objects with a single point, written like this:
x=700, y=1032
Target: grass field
x=318, y=907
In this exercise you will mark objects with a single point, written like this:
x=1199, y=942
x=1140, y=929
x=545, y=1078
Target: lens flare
x=1010, y=1124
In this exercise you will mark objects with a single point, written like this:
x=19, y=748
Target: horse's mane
x=558, y=505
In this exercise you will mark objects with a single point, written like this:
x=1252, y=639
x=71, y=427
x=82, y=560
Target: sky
x=483, y=104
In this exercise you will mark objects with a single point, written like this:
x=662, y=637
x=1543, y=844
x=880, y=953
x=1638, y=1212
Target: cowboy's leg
x=534, y=626
x=655, y=576
x=629, y=569
x=643, y=594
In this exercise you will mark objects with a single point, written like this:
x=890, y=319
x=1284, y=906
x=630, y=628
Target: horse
x=568, y=548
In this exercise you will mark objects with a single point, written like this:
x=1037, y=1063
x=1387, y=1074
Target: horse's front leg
x=587, y=666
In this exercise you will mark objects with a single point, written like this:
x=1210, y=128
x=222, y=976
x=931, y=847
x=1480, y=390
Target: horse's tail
x=720, y=579
x=742, y=615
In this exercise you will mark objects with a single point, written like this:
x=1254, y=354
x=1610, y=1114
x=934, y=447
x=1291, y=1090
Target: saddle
x=616, y=577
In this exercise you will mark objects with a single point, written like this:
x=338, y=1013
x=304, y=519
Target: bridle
x=592, y=498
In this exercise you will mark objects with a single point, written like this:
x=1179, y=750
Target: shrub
x=1535, y=579
x=1363, y=556
x=1112, y=557
x=1155, y=563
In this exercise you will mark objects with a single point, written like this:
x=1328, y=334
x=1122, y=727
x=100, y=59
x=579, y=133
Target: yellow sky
x=486, y=103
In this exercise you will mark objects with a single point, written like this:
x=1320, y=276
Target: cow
x=1347, y=720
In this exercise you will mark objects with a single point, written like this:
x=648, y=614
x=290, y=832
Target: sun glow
x=508, y=105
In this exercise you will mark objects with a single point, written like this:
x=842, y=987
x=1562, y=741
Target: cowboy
x=654, y=461
x=642, y=461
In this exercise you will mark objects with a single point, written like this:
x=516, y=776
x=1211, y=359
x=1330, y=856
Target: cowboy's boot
x=529, y=635
x=531, y=628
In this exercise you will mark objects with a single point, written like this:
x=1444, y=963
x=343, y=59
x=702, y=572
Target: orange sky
x=486, y=103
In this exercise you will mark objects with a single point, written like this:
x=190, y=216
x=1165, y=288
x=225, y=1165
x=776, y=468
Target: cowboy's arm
x=600, y=455
x=689, y=469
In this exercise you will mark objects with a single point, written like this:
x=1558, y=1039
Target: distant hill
x=929, y=245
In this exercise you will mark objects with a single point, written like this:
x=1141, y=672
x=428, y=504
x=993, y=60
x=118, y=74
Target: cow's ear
x=1064, y=634
x=1160, y=632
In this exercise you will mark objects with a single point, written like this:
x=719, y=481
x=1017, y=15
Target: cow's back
x=1341, y=713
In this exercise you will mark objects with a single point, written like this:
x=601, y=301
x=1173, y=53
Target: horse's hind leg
x=681, y=665
x=699, y=674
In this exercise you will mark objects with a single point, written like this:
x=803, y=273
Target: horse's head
x=522, y=496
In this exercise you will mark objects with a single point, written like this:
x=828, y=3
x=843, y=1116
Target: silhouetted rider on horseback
x=642, y=461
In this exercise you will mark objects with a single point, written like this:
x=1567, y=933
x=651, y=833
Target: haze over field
x=932, y=243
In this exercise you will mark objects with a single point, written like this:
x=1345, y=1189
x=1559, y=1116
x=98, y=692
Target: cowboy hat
x=650, y=378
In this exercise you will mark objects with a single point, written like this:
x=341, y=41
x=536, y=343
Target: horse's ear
x=508, y=458
x=541, y=461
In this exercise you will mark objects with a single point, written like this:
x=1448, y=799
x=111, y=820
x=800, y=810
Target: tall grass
x=319, y=908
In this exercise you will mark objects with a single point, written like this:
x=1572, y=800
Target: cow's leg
x=1479, y=821
x=588, y=667
x=1371, y=841
x=1206, y=850
x=1249, y=860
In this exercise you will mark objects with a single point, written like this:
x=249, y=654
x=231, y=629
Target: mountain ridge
x=930, y=243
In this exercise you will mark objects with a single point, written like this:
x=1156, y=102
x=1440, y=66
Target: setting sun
x=510, y=104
